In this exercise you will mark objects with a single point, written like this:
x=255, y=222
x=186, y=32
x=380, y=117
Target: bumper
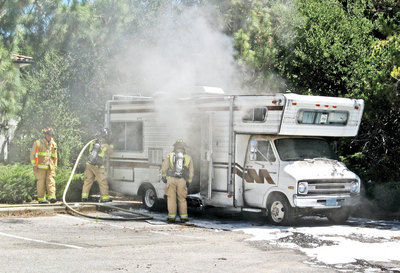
x=325, y=202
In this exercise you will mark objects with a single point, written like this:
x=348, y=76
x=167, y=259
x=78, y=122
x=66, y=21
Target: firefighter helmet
x=179, y=144
x=48, y=131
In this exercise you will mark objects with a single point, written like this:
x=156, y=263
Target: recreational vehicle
x=262, y=153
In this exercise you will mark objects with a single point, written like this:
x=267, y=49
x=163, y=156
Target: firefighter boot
x=170, y=220
x=53, y=200
x=105, y=199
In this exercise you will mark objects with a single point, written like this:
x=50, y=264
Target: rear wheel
x=338, y=216
x=280, y=212
x=149, y=198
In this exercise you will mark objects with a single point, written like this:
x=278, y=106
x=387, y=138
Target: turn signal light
x=318, y=104
x=356, y=107
x=334, y=106
x=274, y=101
x=294, y=103
x=326, y=105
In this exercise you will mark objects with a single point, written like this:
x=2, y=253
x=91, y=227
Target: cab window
x=261, y=150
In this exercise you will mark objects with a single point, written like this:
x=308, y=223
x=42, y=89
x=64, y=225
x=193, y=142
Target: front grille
x=328, y=186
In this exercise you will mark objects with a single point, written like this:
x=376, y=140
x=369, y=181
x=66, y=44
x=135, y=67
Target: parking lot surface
x=66, y=243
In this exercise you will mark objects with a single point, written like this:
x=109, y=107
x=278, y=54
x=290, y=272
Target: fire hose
x=140, y=216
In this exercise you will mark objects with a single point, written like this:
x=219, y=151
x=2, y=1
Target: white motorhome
x=262, y=153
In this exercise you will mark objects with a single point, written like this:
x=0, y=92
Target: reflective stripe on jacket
x=44, y=154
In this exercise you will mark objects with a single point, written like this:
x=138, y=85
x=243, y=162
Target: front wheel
x=338, y=216
x=149, y=198
x=280, y=212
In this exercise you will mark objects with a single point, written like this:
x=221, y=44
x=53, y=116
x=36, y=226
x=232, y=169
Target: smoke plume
x=184, y=48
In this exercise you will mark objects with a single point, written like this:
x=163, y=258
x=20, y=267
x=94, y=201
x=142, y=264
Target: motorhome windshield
x=294, y=149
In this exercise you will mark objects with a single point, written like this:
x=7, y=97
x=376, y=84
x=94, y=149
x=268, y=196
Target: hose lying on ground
x=141, y=215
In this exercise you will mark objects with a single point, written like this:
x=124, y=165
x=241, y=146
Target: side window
x=322, y=117
x=127, y=136
x=255, y=115
x=261, y=150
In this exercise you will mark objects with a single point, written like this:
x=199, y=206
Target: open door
x=206, y=164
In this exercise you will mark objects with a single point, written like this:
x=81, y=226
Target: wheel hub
x=150, y=198
x=277, y=211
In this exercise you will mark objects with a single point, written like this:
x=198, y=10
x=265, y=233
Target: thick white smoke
x=183, y=49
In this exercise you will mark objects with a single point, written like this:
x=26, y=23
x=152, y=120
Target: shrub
x=18, y=184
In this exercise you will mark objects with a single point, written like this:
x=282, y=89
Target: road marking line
x=39, y=241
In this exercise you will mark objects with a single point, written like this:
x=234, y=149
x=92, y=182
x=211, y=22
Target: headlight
x=302, y=188
x=355, y=187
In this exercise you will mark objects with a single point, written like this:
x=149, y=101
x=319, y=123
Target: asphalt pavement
x=65, y=243
x=213, y=242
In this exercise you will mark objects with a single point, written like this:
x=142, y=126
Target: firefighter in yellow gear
x=98, y=150
x=177, y=171
x=44, y=161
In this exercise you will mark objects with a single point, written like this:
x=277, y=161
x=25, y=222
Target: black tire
x=149, y=198
x=280, y=212
x=338, y=216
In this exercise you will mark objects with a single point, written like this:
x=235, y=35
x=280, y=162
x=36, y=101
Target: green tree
x=334, y=48
x=12, y=89
x=47, y=106
x=68, y=84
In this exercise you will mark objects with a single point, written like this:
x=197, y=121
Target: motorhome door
x=241, y=142
x=206, y=156
x=261, y=171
